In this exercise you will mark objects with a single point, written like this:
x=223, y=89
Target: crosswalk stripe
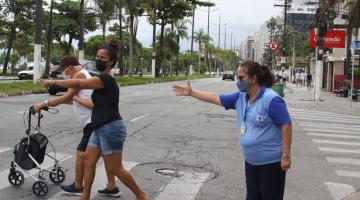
x=333, y=115
x=316, y=117
x=99, y=181
x=183, y=188
x=48, y=162
x=334, y=126
x=4, y=149
x=343, y=160
x=333, y=135
x=319, y=113
x=327, y=119
x=336, y=142
x=330, y=131
x=339, y=191
x=354, y=174
x=336, y=150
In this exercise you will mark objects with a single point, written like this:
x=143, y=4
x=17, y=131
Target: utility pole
x=225, y=37
x=37, y=46
x=192, y=40
x=320, y=33
x=219, y=30
x=231, y=41
x=285, y=5
x=121, y=53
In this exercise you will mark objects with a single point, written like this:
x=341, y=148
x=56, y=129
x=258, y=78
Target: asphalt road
x=196, y=141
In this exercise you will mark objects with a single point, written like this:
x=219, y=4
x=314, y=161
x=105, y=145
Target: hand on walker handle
x=183, y=90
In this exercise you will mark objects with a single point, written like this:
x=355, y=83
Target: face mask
x=243, y=86
x=100, y=65
x=64, y=75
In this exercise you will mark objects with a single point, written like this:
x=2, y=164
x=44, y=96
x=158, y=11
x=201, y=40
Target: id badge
x=242, y=129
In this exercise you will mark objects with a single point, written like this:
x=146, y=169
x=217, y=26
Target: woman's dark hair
x=67, y=61
x=262, y=72
x=113, y=48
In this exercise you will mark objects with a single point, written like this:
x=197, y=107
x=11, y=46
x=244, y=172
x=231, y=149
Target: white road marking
x=339, y=191
x=329, y=131
x=352, y=174
x=336, y=150
x=318, y=112
x=334, y=115
x=327, y=119
x=48, y=162
x=99, y=181
x=21, y=112
x=183, y=188
x=336, y=142
x=184, y=100
x=4, y=149
x=137, y=118
x=333, y=135
x=343, y=160
x=334, y=126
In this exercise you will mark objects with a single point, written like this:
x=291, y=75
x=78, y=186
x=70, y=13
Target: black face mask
x=100, y=65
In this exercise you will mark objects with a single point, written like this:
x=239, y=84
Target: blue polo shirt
x=263, y=118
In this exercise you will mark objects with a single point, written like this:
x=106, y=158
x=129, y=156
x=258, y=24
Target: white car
x=28, y=73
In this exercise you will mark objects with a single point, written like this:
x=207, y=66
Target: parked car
x=228, y=76
x=55, y=74
x=28, y=73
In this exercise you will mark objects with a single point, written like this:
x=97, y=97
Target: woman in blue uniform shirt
x=264, y=128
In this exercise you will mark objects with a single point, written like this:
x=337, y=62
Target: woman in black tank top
x=109, y=131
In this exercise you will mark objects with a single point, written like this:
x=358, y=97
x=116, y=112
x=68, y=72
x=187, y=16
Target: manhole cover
x=169, y=172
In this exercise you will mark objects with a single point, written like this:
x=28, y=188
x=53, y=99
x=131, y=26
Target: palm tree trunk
x=131, y=45
x=9, y=47
x=121, y=58
x=47, y=66
x=81, y=34
x=103, y=29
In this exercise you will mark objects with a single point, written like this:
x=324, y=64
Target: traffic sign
x=273, y=45
x=355, y=45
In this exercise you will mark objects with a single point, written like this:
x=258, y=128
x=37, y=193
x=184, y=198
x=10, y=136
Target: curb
x=27, y=92
x=354, y=196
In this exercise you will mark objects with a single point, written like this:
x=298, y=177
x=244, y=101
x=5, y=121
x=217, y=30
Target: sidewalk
x=8, y=78
x=302, y=98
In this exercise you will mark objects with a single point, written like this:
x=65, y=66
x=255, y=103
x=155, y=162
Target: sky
x=243, y=17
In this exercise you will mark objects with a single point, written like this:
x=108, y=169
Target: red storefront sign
x=332, y=39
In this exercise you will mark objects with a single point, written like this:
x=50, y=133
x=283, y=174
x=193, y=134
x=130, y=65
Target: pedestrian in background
x=264, y=128
x=302, y=78
x=297, y=78
x=109, y=134
x=308, y=81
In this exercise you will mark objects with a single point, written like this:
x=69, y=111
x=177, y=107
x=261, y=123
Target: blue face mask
x=243, y=85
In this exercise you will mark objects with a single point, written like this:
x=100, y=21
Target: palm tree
x=199, y=38
x=180, y=30
x=133, y=9
x=105, y=12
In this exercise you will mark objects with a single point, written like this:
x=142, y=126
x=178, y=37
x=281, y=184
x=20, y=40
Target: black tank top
x=106, y=102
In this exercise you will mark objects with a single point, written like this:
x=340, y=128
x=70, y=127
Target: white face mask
x=65, y=76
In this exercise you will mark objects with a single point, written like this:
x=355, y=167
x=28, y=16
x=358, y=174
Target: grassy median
x=27, y=87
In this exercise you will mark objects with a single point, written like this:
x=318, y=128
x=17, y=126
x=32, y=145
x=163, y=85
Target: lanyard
x=246, y=110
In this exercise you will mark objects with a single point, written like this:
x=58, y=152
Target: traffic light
x=323, y=26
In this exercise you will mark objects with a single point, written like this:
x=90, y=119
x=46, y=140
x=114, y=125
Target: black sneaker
x=71, y=189
x=115, y=192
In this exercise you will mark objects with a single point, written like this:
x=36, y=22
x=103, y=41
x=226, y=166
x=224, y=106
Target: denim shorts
x=109, y=138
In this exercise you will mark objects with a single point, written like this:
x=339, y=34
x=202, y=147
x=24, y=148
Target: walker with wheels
x=29, y=154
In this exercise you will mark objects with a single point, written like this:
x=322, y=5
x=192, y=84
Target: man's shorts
x=109, y=138
x=85, y=138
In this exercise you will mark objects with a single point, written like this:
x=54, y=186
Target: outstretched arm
x=91, y=83
x=186, y=90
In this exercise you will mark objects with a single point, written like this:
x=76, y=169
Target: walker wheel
x=16, y=177
x=57, y=176
x=40, y=188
